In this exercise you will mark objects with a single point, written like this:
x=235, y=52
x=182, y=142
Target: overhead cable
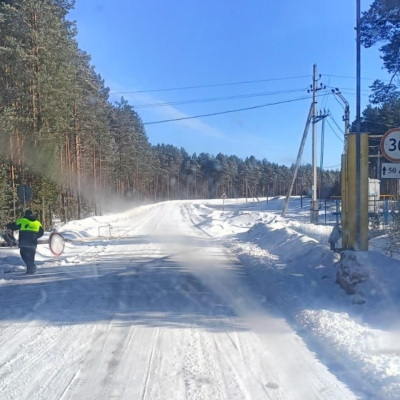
x=334, y=121
x=331, y=167
x=352, y=77
x=333, y=130
x=325, y=102
x=229, y=111
x=206, y=100
x=213, y=85
x=344, y=88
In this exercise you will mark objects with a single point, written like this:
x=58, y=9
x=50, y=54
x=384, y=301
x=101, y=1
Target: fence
x=381, y=210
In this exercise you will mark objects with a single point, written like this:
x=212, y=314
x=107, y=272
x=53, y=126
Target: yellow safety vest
x=28, y=225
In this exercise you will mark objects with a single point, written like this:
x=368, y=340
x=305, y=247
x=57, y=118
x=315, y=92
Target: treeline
x=181, y=176
x=61, y=135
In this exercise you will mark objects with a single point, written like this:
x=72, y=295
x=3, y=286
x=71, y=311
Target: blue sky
x=139, y=47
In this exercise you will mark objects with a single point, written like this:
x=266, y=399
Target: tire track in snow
x=115, y=356
x=98, y=372
x=123, y=369
x=234, y=382
x=61, y=370
x=150, y=364
x=257, y=369
x=11, y=335
x=69, y=385
x=202, y=372
x=19, y=363
x=90, y=368
x=29, y=356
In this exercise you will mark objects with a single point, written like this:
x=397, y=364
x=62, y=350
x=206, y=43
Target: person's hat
x=28, y=213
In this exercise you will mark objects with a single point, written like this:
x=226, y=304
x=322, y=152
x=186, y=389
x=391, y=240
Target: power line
x=353, y=77
x=207, y=100
x=333, y=130
x=213, y=85
x=332, y=167
x=365, y=95
x=333, y=119
x=229, y=111
x=235, y=83
x=352, y=89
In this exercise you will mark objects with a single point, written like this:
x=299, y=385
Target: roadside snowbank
x=358, y=335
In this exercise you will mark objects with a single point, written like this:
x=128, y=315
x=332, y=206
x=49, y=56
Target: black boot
x=31, y=270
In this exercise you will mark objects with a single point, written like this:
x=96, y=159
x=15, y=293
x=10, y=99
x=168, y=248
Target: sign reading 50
x=390, y=145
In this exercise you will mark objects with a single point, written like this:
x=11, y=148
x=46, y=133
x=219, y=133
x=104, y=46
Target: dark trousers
x=28, y=255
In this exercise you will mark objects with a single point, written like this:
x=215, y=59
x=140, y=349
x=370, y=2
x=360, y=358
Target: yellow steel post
x=344, y=198
x=351, y=192
x=364, y=233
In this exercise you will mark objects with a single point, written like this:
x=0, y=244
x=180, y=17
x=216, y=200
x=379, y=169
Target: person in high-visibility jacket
x=30, y=230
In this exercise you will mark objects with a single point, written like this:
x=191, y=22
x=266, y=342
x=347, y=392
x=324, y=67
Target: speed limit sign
x=390, y=145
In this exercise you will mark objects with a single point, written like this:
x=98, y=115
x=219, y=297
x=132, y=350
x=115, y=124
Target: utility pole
x=344, y=189
x=313, y=118
x=314, y=200
x=296, y=168
x=358, y=129
x=314, y=212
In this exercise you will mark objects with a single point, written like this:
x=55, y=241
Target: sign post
x=223, y=197
x=24, y=193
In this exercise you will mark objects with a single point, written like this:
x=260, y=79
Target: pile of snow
x=358, y=331
x=371, y=353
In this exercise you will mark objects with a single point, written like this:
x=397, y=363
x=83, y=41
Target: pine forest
x=80, y=152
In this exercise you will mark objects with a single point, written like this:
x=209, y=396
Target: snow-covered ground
x=190, y=300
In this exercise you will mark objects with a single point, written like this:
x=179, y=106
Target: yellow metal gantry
x=349, y=204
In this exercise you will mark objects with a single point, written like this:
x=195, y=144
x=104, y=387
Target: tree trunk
x=77, y=162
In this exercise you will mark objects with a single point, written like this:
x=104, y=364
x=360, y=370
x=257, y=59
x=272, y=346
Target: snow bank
x=357, y=335
x=370, y=353
x=289, y=245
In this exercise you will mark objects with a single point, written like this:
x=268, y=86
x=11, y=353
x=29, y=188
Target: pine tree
x=381, y=24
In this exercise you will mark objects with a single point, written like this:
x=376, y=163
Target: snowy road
x=165, y=312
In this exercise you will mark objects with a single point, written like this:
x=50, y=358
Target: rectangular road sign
x=390, y=170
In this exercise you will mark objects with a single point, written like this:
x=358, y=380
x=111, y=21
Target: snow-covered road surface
x=164, y=312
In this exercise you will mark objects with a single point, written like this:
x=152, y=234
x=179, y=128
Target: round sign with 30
x=390, y=145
